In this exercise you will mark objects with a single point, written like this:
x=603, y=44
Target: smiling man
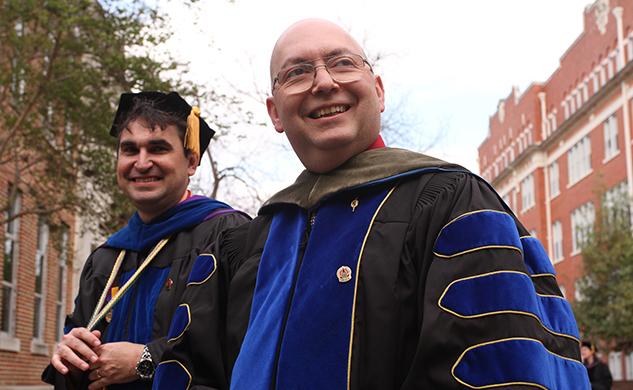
x=378, y=268
x=131, y=285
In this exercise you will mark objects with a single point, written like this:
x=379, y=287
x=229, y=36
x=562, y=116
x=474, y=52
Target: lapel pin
x=344, y=274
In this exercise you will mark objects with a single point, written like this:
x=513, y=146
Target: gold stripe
x=113, y=273
x=439, y=303
x=129, y=283
x=215, y=267
x=360, y=255
x=186, y=327
x=509, y=383
x=477, y=249
x=183, y=367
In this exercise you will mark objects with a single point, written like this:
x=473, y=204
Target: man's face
x=330, y=122
x=152, y=168
x=585, y=352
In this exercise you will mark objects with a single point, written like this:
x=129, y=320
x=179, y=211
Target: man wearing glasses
x=378, y=268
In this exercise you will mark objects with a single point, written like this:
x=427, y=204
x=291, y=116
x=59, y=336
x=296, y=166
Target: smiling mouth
x=144, y=179
x=328, y=111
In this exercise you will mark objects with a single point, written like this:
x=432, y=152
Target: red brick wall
x=23, y=367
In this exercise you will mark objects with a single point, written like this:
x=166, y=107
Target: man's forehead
x=310, y=39
x=139, y=128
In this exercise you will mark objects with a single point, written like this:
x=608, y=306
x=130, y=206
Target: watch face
x=145, y=368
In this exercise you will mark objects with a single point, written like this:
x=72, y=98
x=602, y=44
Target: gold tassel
x=192, y=136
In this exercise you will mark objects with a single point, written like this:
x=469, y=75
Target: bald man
x=378, y=268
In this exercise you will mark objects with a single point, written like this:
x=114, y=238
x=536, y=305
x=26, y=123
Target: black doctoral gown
x=395, y=271
x=144, y=313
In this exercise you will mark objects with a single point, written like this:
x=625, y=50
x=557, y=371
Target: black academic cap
x=173, y=104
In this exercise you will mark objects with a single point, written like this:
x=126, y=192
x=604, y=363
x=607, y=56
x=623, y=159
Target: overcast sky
x=448, y=62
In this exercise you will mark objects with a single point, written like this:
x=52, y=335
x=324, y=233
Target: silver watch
x=145, y=365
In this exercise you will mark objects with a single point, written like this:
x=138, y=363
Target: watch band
x=145, y=366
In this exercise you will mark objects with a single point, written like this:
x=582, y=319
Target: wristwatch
x=145, y=365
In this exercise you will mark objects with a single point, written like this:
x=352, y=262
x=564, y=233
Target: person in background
x=599, y=373
x=379, y=268
x=132, y=284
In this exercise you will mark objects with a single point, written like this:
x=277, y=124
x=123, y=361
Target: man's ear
x=273, y=114
x=380, y=91
x=192, y=163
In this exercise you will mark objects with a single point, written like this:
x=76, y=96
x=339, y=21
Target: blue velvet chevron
x=519, y=362
x=536, y=260
x=133, y=315
x=179, y=322
x=254, y=367
x=313, y=347
x=171, y=375
x=480, y=229
x=202, y=269
x=508, y=291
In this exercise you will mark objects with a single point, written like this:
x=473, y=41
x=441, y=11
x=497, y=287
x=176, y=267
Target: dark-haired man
x=378, y=268
x=131, y=285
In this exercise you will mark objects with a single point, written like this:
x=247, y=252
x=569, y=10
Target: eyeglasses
x=298, y=78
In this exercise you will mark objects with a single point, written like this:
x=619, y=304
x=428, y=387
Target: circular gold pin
x=344, y=274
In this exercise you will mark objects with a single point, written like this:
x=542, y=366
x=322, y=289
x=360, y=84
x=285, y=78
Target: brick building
x=36, y=288
x=553, y=150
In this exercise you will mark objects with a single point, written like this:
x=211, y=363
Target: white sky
x=448, y=63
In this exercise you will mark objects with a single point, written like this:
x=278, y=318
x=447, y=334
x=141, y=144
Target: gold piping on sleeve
x=477, y=249
x=186, y=327
x=507, y=383
x=183, y=367
x=215, y=267
x=360, y=256
x=525, y=313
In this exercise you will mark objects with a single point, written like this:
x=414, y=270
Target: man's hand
x=116, y=364
x=75, y=349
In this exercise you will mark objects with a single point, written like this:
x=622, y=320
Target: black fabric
x=402, y=339
x=179, y=254
x=599, y=375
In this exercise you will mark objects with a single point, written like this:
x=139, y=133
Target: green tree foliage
x=604, y=306
x=63, y=64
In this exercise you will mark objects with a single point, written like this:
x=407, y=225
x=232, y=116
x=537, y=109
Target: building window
x=554, y=180
x=579, y=160
x=615, y=203
x=585, y=90
x=557, y=242
x=39, y=312
x=582, y=220
x=60, y=296
x=565, y=108
x=611, y=138
x=578, y=97
x=594, y=77
x=527, y=193
x=9, y=277
x=629, y=366
x=615, y=365
x=603, y=76
x=610, y=72
x=629, y=48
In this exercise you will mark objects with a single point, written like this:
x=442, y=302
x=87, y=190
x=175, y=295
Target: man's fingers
x=78, y=347
x=90, y=338
x=67, y=354
x=98, y=384
x=56, y=361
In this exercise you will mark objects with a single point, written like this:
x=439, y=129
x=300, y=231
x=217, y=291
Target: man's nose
x=323, y=81
x=144, y=161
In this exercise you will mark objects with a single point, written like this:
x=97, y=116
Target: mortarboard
x=198, y=134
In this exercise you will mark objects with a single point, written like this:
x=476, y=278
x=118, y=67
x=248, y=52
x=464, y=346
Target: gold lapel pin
x=344, y=274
